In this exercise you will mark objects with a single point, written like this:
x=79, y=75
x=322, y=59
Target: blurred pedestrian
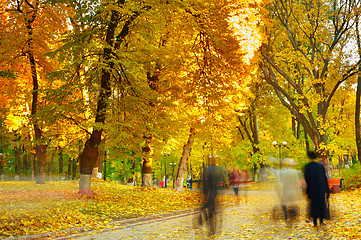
x=289, y=190
x=317, y=188
x=236, y=179
x=210, y=184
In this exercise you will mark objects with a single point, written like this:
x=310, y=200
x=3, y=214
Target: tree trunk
x=25, y=162
x=61, y=162
x=18, y=163
x=298, y=130
x=294, y=128
x=90, y=154
x=1, y=166
x=357, y=117
x=182, y=167
x=307, y=143
x=32, y=166
x=96, y=168
x=41, y=155
x=68, y=173
x=87, y=161
x=104, y=169
x=51, y=164
x=124, y=172
x=40, y=148
x=358, y=97
x=255, y=125
x=101, y=160
x=147, y=163
x=73, y=175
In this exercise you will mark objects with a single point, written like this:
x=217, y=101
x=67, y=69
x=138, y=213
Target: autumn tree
x=31, y=32
x=123, y=72
x=305, y=60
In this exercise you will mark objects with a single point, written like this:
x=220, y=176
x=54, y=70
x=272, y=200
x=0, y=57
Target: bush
x=352, y=177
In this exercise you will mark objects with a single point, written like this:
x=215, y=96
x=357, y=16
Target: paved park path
x=250, y=218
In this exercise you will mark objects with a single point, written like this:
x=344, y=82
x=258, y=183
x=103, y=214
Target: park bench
x=221, y=184
x=335, y=184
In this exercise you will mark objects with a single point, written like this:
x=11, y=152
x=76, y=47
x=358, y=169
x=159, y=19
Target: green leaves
x=7, y=74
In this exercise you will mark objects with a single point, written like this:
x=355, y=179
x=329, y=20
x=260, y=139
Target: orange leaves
x=56, y=206
x=145, y=189
x=27, y=208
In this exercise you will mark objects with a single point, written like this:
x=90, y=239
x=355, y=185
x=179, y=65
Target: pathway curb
x=63, y=233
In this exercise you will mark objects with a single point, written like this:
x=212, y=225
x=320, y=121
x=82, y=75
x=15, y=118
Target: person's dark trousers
x=285, y=212
x=315, y=221
x=236, y=191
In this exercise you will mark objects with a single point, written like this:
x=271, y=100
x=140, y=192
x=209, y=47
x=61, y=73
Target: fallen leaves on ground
x=27, y=208
x=256, y=219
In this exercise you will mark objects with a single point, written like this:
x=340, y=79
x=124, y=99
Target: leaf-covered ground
x=27, y=208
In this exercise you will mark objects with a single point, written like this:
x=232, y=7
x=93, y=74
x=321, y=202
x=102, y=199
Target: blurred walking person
x=236, y=179
x=289, y=189
x=317, y=188
x=210, y=184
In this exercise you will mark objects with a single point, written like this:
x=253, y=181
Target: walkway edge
x=63, y=233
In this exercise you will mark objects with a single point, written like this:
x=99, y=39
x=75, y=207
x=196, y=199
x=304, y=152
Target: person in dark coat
x=317, y=188
x=210, y=184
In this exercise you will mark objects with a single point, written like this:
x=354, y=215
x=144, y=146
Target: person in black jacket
x=317, y=188
x=210, y=184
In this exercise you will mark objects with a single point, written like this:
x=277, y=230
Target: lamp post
x=173, y=164
x=279, y=145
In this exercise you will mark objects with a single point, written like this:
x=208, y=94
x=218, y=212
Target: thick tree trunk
x=182, y=167
x=101, y=160
x=41, y=155
x=147, y=163
x=96, y=168
x=87, y=161
x=85, y=184
x=97, y=171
